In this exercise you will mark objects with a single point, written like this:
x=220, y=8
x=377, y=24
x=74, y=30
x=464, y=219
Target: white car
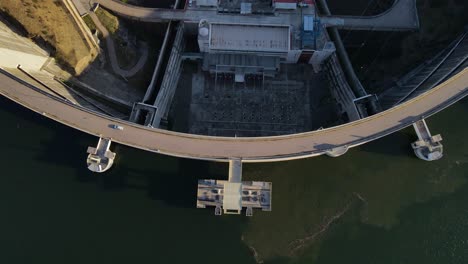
x=114, y=126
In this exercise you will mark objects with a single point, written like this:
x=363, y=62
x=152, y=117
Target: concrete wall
x=11, y=59
x=15, y=50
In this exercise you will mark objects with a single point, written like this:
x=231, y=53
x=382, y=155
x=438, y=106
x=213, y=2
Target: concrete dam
x=263, y=83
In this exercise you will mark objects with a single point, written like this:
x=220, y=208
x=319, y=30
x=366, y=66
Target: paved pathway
x=402, y=16
x=250, y=149
x=112, y=52
x=146, y=14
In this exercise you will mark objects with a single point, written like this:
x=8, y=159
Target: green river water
x=376, y=204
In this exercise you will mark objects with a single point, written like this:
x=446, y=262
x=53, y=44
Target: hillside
x=49, y=20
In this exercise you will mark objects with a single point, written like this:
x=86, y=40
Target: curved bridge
x=258, y=149
x=146, y=14
x=401, y=16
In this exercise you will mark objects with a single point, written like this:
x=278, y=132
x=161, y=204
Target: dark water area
x=431, y=232
x=142, y=211
x=394, y=208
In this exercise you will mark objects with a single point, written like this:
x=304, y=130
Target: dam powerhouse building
x=243, y=81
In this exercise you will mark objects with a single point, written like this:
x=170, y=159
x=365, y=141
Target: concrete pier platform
x=100, y=159
x=229, y=197
x=427, y=147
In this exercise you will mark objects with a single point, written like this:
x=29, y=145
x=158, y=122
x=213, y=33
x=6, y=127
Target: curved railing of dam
x=256, y=149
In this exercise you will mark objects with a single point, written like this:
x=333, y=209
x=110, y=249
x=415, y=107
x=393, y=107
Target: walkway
x=112, y=52
x=145, y=14
x=249, y=149
x=402, y=16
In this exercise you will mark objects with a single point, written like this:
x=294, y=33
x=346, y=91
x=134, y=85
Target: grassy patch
x=89, y=22
x=108, y=20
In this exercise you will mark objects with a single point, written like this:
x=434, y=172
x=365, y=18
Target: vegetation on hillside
x=49, y=20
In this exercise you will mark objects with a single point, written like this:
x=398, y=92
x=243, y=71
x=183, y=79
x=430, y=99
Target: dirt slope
x=50, y=20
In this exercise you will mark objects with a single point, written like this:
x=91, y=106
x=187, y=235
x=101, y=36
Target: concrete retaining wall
x=15, y=50
x=83, y=28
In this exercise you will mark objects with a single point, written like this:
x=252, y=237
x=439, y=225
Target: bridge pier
x=336, y=152
x=229, y=197
x=100, y=159
x=427, y=147
x=232, y=202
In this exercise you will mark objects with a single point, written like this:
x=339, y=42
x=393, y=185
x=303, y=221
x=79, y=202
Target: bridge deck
x=146, y=14
x=402, y=16
x=250, y=149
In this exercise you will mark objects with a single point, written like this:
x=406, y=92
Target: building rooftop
x=238, y=37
